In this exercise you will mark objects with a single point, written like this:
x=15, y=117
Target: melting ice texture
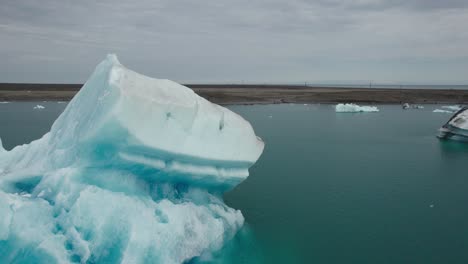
x=354, y=108
x=132, y=171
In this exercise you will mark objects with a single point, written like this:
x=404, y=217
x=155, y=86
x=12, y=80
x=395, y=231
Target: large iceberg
x=354, y=108
x=457, y=126
x=133, y=171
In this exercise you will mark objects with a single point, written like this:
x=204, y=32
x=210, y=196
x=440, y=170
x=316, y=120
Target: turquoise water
x=333, y=188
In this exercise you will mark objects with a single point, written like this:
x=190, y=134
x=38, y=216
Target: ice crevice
x=132, y=171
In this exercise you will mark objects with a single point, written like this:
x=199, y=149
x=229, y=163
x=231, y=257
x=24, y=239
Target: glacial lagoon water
x=332, y=187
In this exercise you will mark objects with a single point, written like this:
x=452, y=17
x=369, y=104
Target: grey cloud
x=414, y=5
x=225, y=40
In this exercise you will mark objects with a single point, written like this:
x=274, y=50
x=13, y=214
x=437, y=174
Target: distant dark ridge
x=39, y=87
x=76, y=87
x=258, y=94
x=253, y=86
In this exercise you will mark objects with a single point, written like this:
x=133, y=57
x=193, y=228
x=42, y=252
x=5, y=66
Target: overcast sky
x=400, y=41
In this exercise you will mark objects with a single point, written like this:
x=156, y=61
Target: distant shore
x=258, y=94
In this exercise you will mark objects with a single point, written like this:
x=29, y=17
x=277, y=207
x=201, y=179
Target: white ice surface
x=443, y=111
x=354, y=108
x=460, y=120
x=132, y=171
x=452, y=108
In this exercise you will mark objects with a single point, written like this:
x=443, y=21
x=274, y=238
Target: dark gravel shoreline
x=258, y=94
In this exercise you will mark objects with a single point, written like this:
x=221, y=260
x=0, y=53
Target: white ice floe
x=354, y=108
x=449, y=109
x=443, y=111
x=453, y=108
x=39, y=107
x=4, y=102
x=133, y=171
x=408, y=106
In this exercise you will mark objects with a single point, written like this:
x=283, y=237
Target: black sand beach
x=258, y=94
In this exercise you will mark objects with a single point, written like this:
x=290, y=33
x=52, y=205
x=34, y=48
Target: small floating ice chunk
x=354, y=108
x=4, y=102
x=408, y=106
x=442, y=111
x=39, y=107
x=453, y=108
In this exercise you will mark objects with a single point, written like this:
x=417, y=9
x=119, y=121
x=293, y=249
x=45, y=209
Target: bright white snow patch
x=354, y=108
x=39, y=107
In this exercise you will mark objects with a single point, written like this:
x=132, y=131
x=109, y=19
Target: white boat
x=457, y=127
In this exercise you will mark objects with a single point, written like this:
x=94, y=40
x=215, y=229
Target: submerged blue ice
x=133, y=171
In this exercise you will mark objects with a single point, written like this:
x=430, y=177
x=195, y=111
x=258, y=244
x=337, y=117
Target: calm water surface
x=333, y=188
